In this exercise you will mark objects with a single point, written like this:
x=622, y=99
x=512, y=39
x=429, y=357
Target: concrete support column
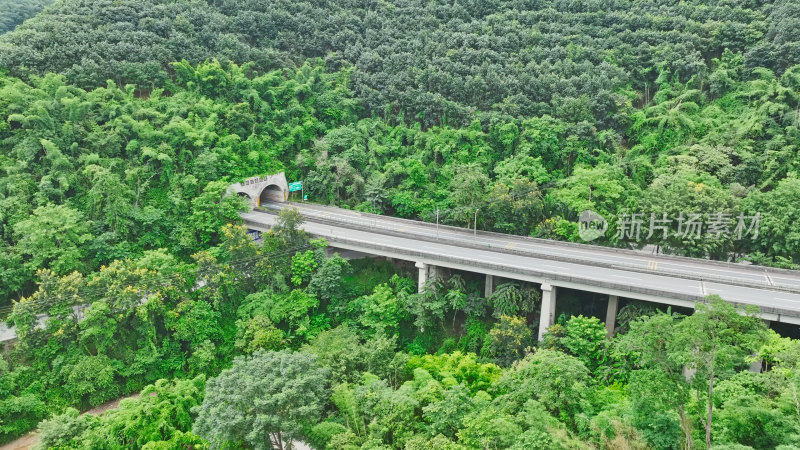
x=489, y=289
x=423, y=275
x=432, y=272
x=547, y=315
x=611, y=314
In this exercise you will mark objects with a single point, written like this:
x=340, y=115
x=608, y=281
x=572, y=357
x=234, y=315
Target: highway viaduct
x=616, y=273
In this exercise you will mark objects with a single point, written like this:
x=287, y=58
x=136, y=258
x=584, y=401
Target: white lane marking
x=550, y=267
x=542, y=249
x=655, y=265
x=769, y=279
x=445, y=251
x=590, y=255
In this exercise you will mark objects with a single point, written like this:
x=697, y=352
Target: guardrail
x=416, y=254
x=761, y=270
x=373, y=224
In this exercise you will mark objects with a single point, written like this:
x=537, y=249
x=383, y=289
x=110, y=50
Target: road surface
x=666, y=276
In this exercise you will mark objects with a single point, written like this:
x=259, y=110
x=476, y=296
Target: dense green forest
x=439, y=61
x=96, y=176
x=108, y=173
x=528, y=111
x=14, y=12
x=123, y=122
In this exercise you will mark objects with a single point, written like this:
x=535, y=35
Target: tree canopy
x=123, y=267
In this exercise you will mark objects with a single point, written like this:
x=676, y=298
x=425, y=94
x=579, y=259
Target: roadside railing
x=540, y=275
x=377, y=224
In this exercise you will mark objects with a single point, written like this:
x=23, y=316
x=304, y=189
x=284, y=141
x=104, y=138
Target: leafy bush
x=511, y=339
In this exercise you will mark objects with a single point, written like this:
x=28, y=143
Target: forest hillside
x=124, y=267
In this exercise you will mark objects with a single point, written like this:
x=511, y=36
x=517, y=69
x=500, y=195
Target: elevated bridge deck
x=659, y=278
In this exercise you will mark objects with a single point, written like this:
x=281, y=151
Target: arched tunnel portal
x=271, y=193
x=263, y=189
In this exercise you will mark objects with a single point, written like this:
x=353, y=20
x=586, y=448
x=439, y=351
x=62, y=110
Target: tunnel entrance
x=271, y=193
x=262, y=189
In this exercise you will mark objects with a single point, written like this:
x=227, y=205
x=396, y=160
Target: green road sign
x=296, y=186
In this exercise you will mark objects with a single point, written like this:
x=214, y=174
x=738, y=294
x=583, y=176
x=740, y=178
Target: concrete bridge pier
x=423, y=275
x=547, y=314
x=611, y=314
x=433, y=272
x=426, y=272
x=488, y=289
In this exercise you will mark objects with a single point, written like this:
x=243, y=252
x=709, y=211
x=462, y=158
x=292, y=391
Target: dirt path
x=28, y=441
x=24, y=443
